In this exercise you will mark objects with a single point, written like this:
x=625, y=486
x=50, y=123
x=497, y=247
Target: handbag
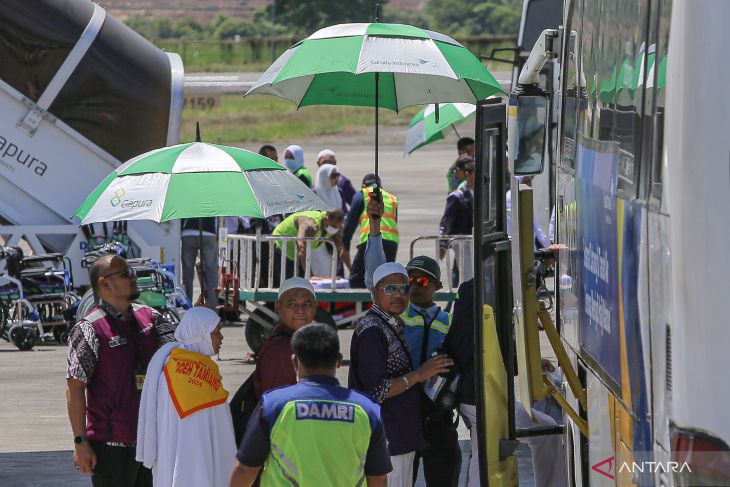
x=441, y=389
x=242, y=405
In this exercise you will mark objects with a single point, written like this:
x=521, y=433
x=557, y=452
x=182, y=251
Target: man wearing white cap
x=426, y=327
x=295, y=306
x=344, y=185
x=380, y=366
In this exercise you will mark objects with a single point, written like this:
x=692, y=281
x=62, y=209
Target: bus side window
x=587, y=67
x=573, y=87
x=659, y=83
x=631, y=54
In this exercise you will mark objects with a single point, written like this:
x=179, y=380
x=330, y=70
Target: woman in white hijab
x=325, y=185
x=293, y=157
x=185, y=431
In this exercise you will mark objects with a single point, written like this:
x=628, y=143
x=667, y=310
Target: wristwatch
x=81, y=439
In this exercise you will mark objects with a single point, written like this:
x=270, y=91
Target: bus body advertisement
x=641, y=194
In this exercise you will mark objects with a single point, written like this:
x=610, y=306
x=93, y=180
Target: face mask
x=291, y=164
x=330, y=230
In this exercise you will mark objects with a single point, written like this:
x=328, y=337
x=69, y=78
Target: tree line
x=299, y=18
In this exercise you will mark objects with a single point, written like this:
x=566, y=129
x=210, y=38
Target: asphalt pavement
x=35, y=437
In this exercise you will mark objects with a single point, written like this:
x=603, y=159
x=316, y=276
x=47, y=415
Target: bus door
x=494, y=349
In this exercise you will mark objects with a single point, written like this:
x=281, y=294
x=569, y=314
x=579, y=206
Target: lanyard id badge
x=139, y=370
x=139, y=379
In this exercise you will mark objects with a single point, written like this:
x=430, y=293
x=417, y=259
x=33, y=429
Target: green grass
x=254, y=54
x=221, y=56
x=262, y=119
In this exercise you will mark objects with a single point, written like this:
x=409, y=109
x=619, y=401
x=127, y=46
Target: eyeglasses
x=390, y=289
x=128, y=272
x=422, y=281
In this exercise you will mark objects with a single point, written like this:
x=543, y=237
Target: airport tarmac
x=35, y=436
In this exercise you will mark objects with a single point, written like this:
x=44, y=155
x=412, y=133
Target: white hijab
x=324, y=189
x=195, y=328
x=298, y=155
x=193, y=334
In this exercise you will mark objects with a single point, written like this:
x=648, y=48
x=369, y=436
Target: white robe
x=200, y=449
x=197, y=451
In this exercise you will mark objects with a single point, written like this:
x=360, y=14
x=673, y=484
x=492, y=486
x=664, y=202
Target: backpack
x=242, y=405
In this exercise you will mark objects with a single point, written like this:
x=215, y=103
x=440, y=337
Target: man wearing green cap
x=426, y=327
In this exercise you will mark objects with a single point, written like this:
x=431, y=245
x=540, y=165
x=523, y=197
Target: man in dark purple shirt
x=296, y=306
x=381, y=367
x=458, y=218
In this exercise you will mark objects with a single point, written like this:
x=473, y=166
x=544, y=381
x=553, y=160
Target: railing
x=248, y=253
x=463, y=256
x=255, y=261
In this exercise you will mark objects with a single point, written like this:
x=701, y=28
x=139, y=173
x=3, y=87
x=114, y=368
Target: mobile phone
x=377, y=196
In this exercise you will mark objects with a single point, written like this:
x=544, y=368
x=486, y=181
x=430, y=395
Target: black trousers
x=357, y=273
x=116, y=467
x=442, y=455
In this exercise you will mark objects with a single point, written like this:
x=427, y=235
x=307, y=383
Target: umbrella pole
x=203, y=280
x=376, y=191
x=377, y=89
x=457, y=133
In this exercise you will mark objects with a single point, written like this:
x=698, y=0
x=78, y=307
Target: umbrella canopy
x=391, y=66
x=424, y=129
x=337, y=65
x=197, y=180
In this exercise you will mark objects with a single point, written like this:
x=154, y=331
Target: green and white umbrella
x=197, y=180
x=337, y=66
x=390, y=66
x=424, y=128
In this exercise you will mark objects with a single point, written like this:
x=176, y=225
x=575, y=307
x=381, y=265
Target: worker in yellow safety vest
x=357, y=218
x=304, y=224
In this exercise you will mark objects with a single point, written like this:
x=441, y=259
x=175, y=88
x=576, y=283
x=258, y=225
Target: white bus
x=642, y=199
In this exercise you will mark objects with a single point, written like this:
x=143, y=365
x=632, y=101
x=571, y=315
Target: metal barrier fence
x=254, y=259
x=258, y=263
x=463, y=257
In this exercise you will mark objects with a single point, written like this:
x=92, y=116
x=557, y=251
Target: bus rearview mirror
x=526, y=132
